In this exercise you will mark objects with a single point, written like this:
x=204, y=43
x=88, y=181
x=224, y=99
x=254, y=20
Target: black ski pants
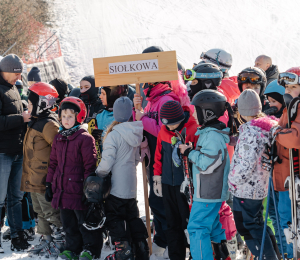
x=77, y=236
x=122, y=220
x=177, y=215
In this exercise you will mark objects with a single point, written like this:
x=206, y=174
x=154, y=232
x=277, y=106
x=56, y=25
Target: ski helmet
x=113, y=93
x=80, y=105
x=97, y=188
x=206, y=69
x=44, y=96
x=261, y=79
x=274, y=87
x=210, y=105
x=219, y=57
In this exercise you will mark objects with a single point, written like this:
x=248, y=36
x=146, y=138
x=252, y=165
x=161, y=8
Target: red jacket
x=164, y=165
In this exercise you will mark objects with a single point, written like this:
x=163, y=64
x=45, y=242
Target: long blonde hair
x=240, y=120
x=109, y=129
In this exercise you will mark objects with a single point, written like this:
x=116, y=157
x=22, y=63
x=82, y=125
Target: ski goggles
x=191, y=75
x=288, y=78
x=250, y=77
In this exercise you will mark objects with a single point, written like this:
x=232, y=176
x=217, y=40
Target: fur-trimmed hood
x=265, y=123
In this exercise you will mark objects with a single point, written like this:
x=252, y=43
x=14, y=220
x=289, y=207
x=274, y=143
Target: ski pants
x=122, y=220
x=272, y=215
x=248, y=216
x=204, y=226
x=77, y=236
x=177, y=215
x=46, y=214
x=159, y=216
x=285, y=214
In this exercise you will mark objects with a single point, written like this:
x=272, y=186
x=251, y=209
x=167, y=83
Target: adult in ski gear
x=61, y=87
x=210, y=171
x=264, y=62
x=286, y=138
x=12, y=119
x=89, y=95
x=168, y=175
x=41, y=131
x=72, y=159
x=248, y=181
x=34, y=76
x=274, y=93
x=158, y=93
x=120, y=156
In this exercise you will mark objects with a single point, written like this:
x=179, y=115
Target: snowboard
x=92, y=125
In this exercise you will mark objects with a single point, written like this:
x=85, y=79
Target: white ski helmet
x=219, y=57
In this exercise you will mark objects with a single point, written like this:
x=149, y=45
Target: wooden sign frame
x=137, y=68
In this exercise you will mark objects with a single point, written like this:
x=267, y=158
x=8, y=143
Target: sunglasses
x=191, y=75
x=249, y=77
x=288, y=78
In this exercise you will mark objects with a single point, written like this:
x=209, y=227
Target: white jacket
x=246, y=178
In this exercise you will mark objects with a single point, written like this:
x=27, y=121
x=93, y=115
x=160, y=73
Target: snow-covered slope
x=99, y=28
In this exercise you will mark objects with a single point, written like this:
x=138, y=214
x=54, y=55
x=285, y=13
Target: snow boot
x=68, y=255
x=141, y=250
x=221, y=251
x=1, y=248
x=29, y=233
x=19, y=243
x=6, y=235
x=123, y=252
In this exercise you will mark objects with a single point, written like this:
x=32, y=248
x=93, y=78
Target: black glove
x=49, y=193
x=97, y=134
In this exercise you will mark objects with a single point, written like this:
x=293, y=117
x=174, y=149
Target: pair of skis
x=187, y=187
x=294, y=182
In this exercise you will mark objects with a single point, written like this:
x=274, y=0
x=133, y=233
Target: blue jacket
x=104, y=119
x=211, y=165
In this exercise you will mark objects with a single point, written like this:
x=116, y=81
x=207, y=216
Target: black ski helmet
x=257, y=71
x=97, y=188
x=210, y=105
x=113, y=93
x=202, y=84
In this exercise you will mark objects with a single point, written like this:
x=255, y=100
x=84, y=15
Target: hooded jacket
x=164, y=164
x=11, y=119
x=211, y=165
x=72, y=160
x=247, y=179
x=272, y=73
x=120, y=156
x=287, y=138
x=38, y=140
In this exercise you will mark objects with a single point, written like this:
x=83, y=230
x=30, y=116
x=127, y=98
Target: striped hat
x=171, y=113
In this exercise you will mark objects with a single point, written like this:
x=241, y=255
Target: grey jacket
x=120, y=156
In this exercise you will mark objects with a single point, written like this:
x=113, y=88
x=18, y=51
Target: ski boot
x=86, y=255
x=1, y=248
x=44, y=243
x=221, y=251
x=141, y=250
x=67, y=255
x=19, y=243
x=123, y=251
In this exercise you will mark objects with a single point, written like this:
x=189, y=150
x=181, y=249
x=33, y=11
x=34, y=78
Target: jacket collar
x=71, y=137
x=4, y=82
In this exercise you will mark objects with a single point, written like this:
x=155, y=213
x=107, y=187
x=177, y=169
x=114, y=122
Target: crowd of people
x=53, y=138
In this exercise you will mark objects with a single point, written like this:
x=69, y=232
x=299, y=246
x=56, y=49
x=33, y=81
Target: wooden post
x=137, y=86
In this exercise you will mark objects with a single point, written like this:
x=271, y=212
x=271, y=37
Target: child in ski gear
x=120, y=156
x=72, y=159
x=248, y=181
x=169, y=176
x=157, y=94
x=38, y=140
x=274, y=93
x=286, y=138
x=210, y=171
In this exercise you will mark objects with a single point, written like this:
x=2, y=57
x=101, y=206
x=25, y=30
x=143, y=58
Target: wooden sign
x=138, y=68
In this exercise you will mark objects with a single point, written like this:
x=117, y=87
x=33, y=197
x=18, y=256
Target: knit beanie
x=276, y=96
x=122, y=109
x=12, y=64
x=171, y=113
x=34, y=75
x=249, y=103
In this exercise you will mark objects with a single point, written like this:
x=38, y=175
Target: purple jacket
x=72, y=159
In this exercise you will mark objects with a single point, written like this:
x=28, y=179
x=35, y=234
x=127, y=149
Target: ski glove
x=157, y=185
x=49, y=193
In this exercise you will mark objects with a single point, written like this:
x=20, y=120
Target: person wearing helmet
x=38, y=140
x=286, y=138
x=274, y=93
x=210, y=172
x=72, y=160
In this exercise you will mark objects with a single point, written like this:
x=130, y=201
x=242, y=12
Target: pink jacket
x=230, y=89
x=227, y=221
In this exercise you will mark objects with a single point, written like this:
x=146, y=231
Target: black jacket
x=272, y=74
x=11, y=119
